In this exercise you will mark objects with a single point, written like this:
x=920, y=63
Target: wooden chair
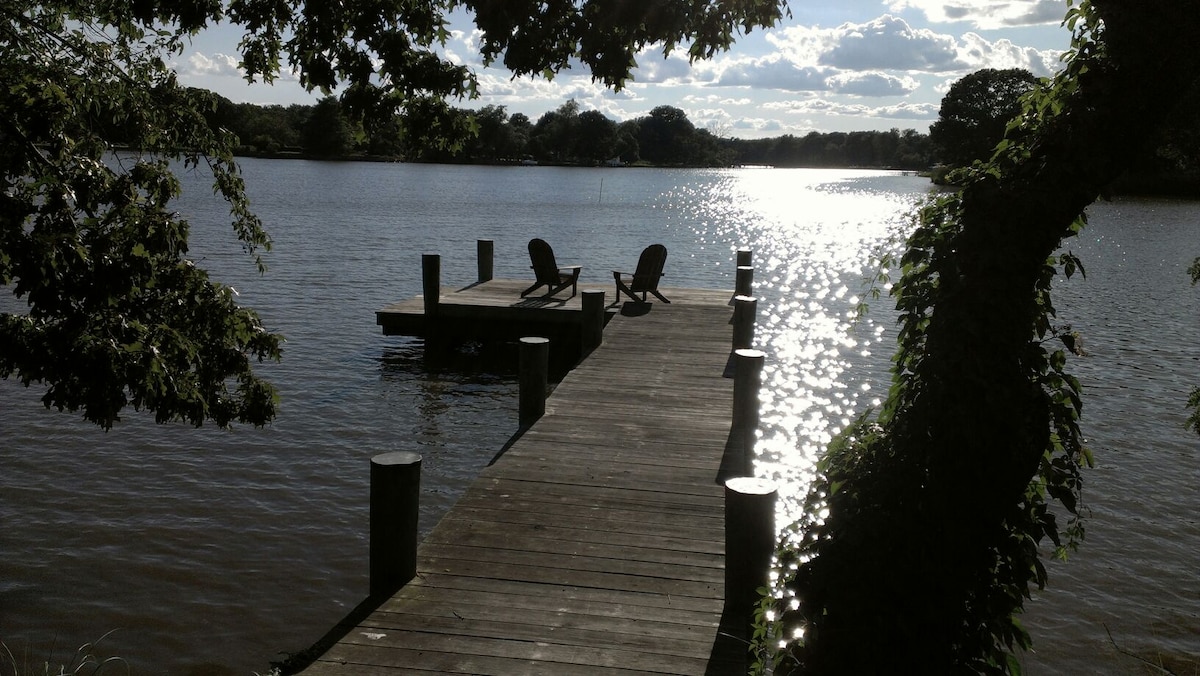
x=547, y=272
x=645, y=279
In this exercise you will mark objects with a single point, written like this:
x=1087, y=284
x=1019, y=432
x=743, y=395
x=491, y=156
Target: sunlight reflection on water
x=817, y=239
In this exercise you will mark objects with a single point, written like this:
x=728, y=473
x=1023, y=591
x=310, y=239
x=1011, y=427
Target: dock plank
x=595, y=543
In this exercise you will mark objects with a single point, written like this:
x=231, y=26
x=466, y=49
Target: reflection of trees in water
x=454, y=360
x=445, y=375
x=456, y=405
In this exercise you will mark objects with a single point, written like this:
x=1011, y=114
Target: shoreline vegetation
x=571, y=137
x=1178, y=186
x=567, y=136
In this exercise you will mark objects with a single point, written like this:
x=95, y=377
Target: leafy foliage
x=975, y=111
x=117, y=314
x=922, y=538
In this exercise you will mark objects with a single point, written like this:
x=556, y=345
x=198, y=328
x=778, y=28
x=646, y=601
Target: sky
x=849, y=65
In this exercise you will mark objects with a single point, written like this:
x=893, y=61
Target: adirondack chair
x=645, y=279
x=547, y=272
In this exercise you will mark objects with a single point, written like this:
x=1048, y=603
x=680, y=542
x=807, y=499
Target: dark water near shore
x=214, y=552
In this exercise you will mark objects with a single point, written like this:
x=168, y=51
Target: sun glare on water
x=817, y=239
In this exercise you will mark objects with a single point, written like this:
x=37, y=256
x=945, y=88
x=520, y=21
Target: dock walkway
x=595, y=543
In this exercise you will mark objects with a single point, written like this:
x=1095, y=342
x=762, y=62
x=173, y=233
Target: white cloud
x=772, y=72
x=218, y=64
x=904, y=111
x=803, y=45
x=462, y=48
x=709, y=118
x=535, y=97
x=653, y=67
x=872, y=83
x=907, y=111
x=987, y=14
x=757, y=126
x=980, y=53
x=890, y=43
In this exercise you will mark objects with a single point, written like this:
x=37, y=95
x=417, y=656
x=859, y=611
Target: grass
x=84, y=662
x=1158, y=664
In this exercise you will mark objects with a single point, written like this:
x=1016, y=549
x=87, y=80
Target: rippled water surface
x=215, y=552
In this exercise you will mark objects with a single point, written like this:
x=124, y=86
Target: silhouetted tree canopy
x=975, y=111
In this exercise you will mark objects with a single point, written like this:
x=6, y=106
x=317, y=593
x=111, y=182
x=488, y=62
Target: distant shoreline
x=297, y=155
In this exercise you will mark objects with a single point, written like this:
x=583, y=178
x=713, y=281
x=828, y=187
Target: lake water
x=214, y=552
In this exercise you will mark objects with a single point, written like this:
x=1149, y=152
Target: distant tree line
x=567, y=135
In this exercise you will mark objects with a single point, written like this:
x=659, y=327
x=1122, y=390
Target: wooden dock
x=595, y=543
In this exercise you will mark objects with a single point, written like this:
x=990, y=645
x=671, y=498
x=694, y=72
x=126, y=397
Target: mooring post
x=743, y=257
x=592, y=328
x=745, y=281
x=395, y=505
x=747, y=382
x=749, y=545
x=431, y=282
x=533, y=377
x=744, y=310
x=485, y=251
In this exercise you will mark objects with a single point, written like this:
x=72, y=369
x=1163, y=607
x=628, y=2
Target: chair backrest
x=541, y=257
x=649, y=268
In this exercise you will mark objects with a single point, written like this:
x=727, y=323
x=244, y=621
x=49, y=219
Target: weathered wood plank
x=484, y=532
x=565, y=575
x=548, y=627
x=613, y=613
x=393, y=649
x=500, y=657
x=628, y=525
x=683, y=503
x=681, y=566
x=653, y=605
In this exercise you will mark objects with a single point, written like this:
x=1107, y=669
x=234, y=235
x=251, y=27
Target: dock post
x=745, y=281
x=747, y=381
x=431, y=282
x=744, y=310
x=592, y=330
x=749, y=545
x=485, y=250
x=534, y=375
x=395, y=505
x=743, y=257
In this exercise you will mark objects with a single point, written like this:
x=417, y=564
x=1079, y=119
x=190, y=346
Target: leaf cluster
x=92, y=120
x=532, y=37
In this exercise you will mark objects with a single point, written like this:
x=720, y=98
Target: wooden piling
x=485, y=252
x=743, y=257
x=747, y=382
x=592, y=331
x=749, y=545
x=744, y=310
x=533, y=377
x=431, y=282
x=744, y=285
x=395, y=505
